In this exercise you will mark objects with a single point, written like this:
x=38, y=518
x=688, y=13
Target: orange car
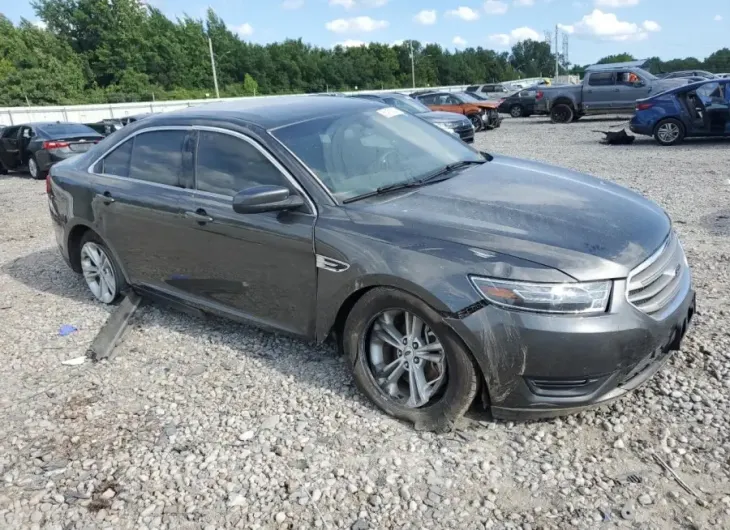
x=482, y=113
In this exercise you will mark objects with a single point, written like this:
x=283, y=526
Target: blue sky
x=667, y=28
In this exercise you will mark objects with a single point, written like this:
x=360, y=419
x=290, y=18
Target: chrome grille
x=654, y=284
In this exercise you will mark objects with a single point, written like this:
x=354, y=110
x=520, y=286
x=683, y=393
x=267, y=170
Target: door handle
x=105, y=197
x=199, y=216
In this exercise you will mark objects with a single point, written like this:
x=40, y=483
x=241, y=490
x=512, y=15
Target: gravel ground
x=208, y=424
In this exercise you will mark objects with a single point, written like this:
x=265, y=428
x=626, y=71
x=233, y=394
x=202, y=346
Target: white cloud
x=617, y=3
x=718, y=18
x=607, y=26
x=398, y=42
x=351, y=4
x=464, y=13
x=347, y=4
x=244, y=30
x=524, y=3
x=357, y=24
x=351, y=43
x=459, y=42
x=40, y=24
x=503, y=40
x=495, y=7
x=426, y=17
x=292, y=4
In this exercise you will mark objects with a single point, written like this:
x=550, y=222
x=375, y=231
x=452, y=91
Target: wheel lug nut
x=405, y=341
x=415, y=345
x=416, y=360
x=406, y=366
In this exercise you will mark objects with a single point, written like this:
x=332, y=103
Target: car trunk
x=74, y=144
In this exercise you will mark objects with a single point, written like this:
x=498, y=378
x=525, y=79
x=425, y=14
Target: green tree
x=250, y=86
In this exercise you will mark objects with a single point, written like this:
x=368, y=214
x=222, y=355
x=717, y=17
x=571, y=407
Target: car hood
x=441, y=116
x=486, y=104
x=583, y=226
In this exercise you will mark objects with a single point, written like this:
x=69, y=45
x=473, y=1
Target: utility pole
x=413, y=63
x=557, y=54
x=212, y=65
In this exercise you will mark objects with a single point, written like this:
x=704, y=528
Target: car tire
x=477, y=121
x=35, y=170
x=562, y=113
x=576, y=117
x=516, y=111
x=669, y=132
x=108, y=283
x=451, y=369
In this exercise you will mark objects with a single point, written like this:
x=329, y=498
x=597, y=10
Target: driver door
x=260, y=267
x=9, y=148
x=629, y=92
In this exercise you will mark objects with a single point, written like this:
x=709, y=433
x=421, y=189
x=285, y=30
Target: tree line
x=87, y=51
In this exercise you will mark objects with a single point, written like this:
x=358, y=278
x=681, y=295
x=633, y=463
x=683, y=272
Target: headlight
x=581, y=298
x=443, y=125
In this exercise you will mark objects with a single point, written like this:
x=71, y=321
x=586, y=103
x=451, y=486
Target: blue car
x=694, y=110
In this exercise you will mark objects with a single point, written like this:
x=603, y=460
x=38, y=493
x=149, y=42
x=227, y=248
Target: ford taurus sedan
x=442, y=272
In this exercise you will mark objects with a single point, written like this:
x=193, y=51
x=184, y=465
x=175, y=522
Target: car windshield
x=645, y=75
x=407, y=104
x=467, y=98
x=358, y=153
x=55, y=130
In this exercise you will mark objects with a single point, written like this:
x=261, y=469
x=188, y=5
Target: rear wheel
x=34, y=169
x=669, y=132
x=102, y=274
x=407, y=360
x=562, y=113
x=516, y=111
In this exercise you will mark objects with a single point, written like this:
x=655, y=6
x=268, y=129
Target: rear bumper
x=538, y=365
x=641, y=128
x=46, y=159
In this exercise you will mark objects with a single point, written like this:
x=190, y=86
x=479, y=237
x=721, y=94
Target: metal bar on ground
x=106, y=340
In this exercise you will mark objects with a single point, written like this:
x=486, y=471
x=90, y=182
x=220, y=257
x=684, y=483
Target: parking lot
x=210, y=424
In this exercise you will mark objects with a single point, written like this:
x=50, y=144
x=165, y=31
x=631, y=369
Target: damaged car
x=482, y=114
x=443, y=273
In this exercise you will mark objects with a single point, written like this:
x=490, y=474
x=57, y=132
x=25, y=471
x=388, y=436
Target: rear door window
x=117, y=162
x=601, y=79
x=157, y=157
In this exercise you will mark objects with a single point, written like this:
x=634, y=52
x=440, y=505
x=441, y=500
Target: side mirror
x=639, y=84
x=259, y=199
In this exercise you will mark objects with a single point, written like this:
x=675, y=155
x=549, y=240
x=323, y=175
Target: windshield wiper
x=432, y=178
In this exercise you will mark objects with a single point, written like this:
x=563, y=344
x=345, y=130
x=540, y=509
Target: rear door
x=260, y=266
x=141, y=189
x=600, y=91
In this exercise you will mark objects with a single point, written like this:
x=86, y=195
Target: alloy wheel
x=668, y=132
x=516, y=111
x=98, y=272
x=406, y=358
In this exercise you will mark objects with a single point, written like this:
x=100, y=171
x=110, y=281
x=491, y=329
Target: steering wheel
x=384, y=162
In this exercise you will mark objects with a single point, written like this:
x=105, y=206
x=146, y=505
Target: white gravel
x=208, y=424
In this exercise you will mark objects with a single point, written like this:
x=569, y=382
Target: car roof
x=273, y=112
x=688, y=86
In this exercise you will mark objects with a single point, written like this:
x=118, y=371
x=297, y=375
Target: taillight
x=48, y=184
x=539, y=94
x=644, y=106
x=53, y=144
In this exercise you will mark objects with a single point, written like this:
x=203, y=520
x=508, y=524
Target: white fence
x=95, y=113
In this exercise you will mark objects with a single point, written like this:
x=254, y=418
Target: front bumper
x=492, y=119
x=538, y=365
x=466, y=133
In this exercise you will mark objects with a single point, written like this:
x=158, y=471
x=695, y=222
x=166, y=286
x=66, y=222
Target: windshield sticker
x=390, y=112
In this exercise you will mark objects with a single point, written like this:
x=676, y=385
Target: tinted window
x=10, y=132
x=428, y=100
x=157, y=157
x=601, y=79
x=55, y=130
x=227, y=165
x=473, y=88
x=116, y=162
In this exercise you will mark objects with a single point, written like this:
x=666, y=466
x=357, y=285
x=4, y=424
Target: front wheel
x=34, y=169
x=669, y=132
x=477, y=122
x=408, y=361
x=516, y=111
x=562, y=113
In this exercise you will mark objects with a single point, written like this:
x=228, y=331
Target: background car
x=699, y=109
x=37, y=146
x=106, y=127
x=451, y=122
x=704, y=74
x=482, y=114
x=519, y=104
x=490, y=91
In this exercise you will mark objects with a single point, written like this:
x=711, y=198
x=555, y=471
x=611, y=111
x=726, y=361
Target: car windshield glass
x=54, y=130
x=467, y=98
x=358, y=153
x=409, y=105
